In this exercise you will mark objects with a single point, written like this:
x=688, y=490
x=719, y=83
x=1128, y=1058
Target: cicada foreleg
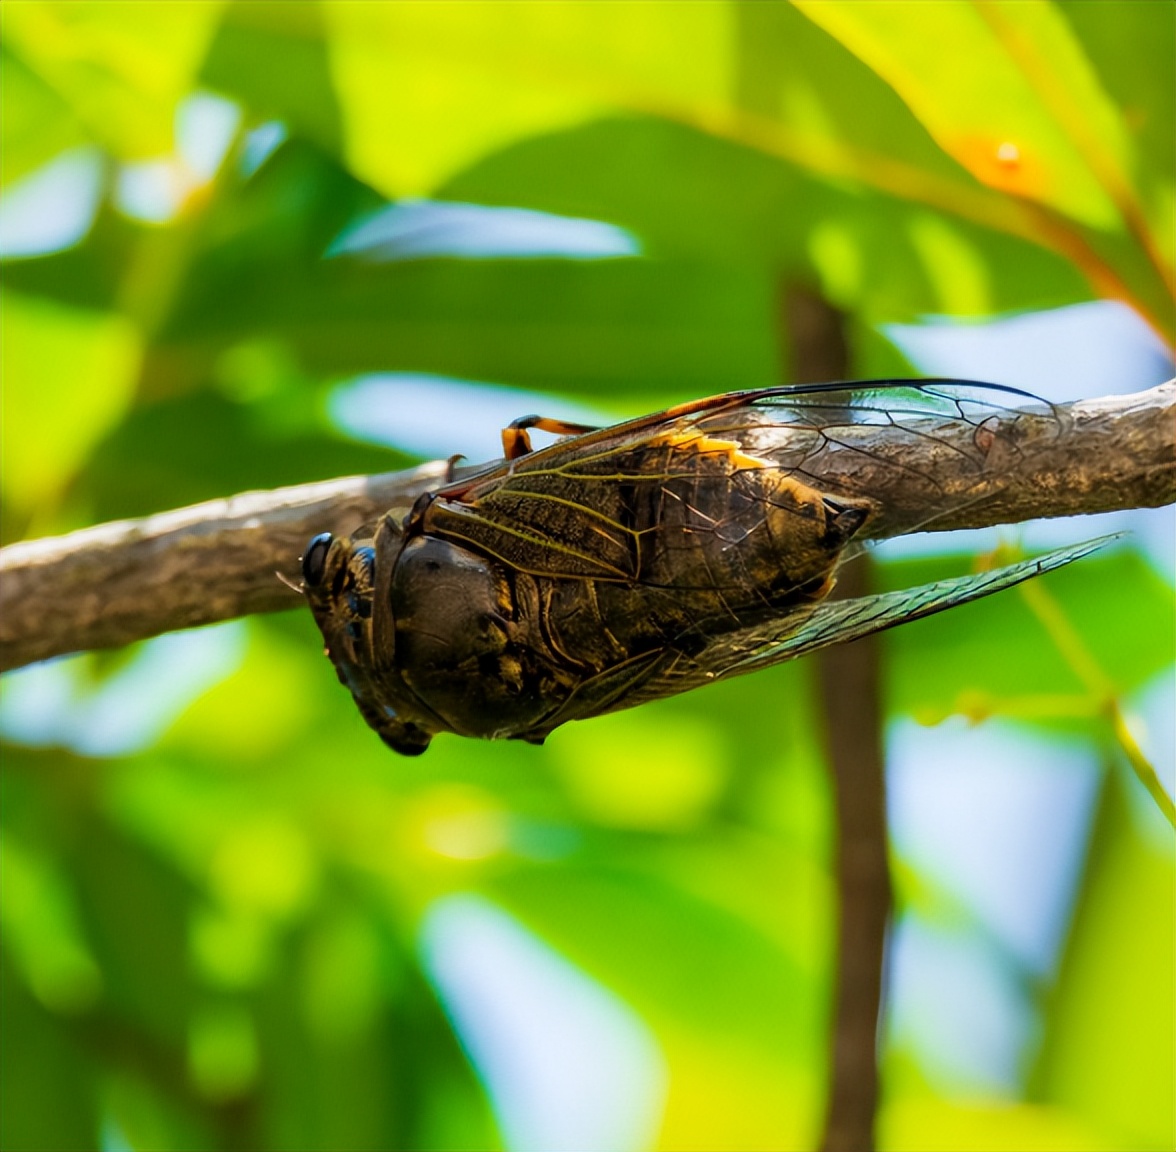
x=516, y=440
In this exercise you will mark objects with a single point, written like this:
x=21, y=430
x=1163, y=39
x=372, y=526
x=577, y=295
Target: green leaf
x=204, y=446
x=1005, y=89
x=959, y=1126
x=88, y=275
x=427, y=88
x=121, y=68
x=691, y=198
x=47, y=1093
x=1108, y=1049
x=272, y=58
x=1135, y=59
x=68, y=377
x=35, y=123
x=989, y=654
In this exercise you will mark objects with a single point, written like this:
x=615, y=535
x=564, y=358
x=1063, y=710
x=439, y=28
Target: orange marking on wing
x=692, y=440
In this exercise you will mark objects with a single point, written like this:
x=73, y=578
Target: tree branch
x=110, y=585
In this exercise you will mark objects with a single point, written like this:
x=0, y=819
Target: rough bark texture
x=110, y=585
x=1089, y=456
x=849, y=678
x=117, y=583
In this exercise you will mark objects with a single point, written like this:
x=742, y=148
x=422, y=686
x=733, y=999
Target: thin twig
x=1082, y=662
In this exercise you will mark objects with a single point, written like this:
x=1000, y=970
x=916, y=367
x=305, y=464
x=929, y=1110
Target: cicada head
x=346, y=580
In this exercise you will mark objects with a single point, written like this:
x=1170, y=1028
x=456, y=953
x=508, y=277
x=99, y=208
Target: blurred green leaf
x=35, y=123
x=88, y=275
x=428, y=88
x=980, y=1127
x=1136, y=65
x=1108, y=1053
x=47, y=1093
x=121, y=68
x=205, y=446
x=69, y=376
x=135, y=918
x=722, y=204
x=272, y=57
x=1022, y=109
x=991, y=653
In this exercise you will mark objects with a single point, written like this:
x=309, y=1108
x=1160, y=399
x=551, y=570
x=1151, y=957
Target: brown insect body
x=614, y=567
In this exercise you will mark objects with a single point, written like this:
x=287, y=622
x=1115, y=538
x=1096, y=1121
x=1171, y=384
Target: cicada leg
x=516, y=441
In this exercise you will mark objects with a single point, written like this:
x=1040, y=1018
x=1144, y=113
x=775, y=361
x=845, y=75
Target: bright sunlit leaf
x=68, y=377
x=121, y=67
x=1004, y=88
x=428, y=88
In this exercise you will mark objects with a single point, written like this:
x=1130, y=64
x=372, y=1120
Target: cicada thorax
x=469, y=641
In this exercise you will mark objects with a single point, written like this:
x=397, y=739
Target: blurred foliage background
x=252, y=244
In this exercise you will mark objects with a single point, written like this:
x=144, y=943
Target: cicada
x=624, y=564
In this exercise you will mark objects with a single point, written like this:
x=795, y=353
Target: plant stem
x=850, y=693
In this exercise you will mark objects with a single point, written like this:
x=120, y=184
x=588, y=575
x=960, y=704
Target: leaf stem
x=1074, y=651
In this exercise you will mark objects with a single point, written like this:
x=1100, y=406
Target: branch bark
x=111, y=585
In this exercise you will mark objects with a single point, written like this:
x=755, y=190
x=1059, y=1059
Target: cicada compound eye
x=314, y=559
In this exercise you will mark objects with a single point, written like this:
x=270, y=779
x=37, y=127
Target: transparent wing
x=918, y=450
x=913, y=450
x=813, y=627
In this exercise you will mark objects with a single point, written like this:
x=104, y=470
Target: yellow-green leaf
x=428, y=88
x=68, y=377
x=121, y=67
x=1003, y=88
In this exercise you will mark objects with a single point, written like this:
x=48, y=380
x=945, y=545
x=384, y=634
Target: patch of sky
x=436, y=416
x=260, y=144
x=1000, y=819
x=52, y=705
x=156, y=190
x=969, y=1019
x=566, y=1063
x=53, y=208
x=150, y=190
x=1099, y=348
x=205, y=127
x=423, y=229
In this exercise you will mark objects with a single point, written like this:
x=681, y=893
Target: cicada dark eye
x=314, y=560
